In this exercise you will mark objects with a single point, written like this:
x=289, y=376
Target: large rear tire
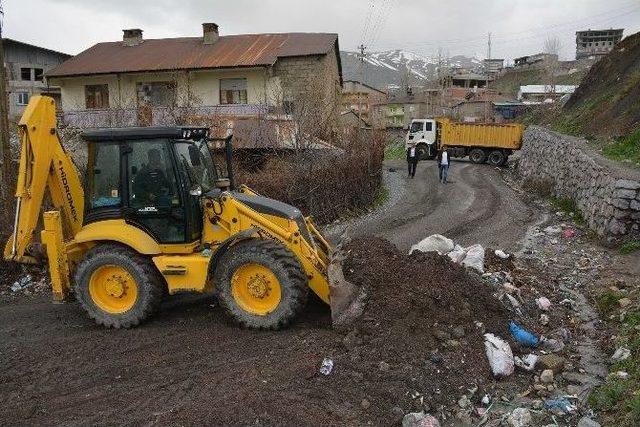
x=261, y=284
x=477, y=155
x=117, y=287
x=496, y=158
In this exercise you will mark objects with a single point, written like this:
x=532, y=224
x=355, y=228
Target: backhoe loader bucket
x=347, y=300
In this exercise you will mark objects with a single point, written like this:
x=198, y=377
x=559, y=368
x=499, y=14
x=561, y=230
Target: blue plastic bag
x=522, y=336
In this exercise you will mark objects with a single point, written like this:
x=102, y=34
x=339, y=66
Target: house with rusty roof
x=159, y=81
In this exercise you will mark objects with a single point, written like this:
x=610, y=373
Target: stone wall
x=607, y=193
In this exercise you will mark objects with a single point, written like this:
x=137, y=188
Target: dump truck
x=155, y=216
x=482, y=142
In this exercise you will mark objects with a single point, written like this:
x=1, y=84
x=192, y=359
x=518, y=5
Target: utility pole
x=6, y=178
x=361, y=49
x=486, y=86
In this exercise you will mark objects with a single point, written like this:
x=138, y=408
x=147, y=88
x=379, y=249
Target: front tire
x=423, y=152
x=261, y=284
x=118, y=287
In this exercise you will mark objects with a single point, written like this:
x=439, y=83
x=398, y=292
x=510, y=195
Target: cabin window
x=428, y=126
x=233, y=91
x=103, y=176
x=96, y=96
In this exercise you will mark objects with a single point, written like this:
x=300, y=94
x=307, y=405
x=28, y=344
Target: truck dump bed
x=498, y=135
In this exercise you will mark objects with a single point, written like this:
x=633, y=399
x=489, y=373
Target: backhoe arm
x=43, y=163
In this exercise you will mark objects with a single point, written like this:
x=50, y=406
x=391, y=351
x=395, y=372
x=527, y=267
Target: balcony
x=158, y=116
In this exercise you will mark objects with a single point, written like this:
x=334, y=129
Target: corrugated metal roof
x=184, y=53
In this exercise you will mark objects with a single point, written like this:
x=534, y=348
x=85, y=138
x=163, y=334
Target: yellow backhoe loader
x=154, y=217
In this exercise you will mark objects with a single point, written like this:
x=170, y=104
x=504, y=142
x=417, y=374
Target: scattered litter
x=543, y=303
x=621, y=374
x=327, y=366
x=22, y=283
x=522, y=336
x=501, y=254
x=546, y=377
x=528, y=362
x=434, y=243
x=486, y=399
x=568, y=233
x=520, y=417
x=419, y=419
x=514, y=302
x=562, y=404
x=499, y=355
x=457, y=254
x=474, y=258
x=587, y=422
x=620, y=354
x=567, y=302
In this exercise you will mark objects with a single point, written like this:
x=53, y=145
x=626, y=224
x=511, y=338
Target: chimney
x=132, y=37
x=210, y=33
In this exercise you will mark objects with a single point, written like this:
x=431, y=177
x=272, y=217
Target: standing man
x=443, y=164
x=412, y=160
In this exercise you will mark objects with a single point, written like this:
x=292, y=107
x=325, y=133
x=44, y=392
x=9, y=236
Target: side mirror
x=194, y=155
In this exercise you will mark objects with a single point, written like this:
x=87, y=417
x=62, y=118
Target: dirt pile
x=419, y=344
x=606, y=102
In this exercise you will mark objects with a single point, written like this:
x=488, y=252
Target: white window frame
x=20, y=98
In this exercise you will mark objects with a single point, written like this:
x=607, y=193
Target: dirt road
x=190, y=366
x=476, y=206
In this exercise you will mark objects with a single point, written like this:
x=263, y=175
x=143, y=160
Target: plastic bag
x=522, y=336
x=499, y=355
x=434, y=243
x=474, y=258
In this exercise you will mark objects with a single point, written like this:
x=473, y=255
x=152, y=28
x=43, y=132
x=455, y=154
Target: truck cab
x=422, y=134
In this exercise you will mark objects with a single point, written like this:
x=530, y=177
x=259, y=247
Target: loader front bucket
x=347, y=300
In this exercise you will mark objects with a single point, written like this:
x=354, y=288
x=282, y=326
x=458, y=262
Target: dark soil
x=191, y=366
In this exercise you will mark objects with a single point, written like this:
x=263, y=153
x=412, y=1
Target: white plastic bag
x=499, y=355
x=457, y=254
x=434, y=243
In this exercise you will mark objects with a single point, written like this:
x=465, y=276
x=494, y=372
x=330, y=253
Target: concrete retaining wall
x=607, y=193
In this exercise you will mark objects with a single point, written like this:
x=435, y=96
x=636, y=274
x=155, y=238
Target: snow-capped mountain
x=395, y=67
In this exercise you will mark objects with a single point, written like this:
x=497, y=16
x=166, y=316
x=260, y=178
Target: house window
x=96, y=96
x=38, y=74
x=25, y=74
x=23, y=98
x=156, y=94
x=233, y=91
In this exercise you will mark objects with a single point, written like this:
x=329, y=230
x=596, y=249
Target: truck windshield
x=196, y=160
x=416, y=127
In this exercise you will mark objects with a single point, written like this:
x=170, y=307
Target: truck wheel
x=118, y=287
x=496, y=158
x=422, y=152
x=477, y=155
x=261, y=284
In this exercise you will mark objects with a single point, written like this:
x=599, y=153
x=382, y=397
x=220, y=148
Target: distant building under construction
x=596, y=42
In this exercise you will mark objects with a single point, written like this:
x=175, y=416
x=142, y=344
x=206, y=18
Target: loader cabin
x=152, y=177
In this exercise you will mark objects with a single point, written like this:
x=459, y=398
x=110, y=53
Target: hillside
x=606, y=103
x=509, y=83
x=389, y=67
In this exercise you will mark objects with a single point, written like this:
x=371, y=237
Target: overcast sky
x=518, y=27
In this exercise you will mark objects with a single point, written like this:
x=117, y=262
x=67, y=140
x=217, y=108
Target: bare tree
x=551, y=48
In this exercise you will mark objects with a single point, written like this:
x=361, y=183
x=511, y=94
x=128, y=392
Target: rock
x=434, y=243
x=620, y=354
x=458, y=332
x=551, y=361
x=501, y=254
x=544, y=320
x=464, y=402
x=551, y=344
x=536, y=404
x=528, y=362
x=384, y=366
x=442, y=335
x=486, y=400
x=624, y=302
x=553, y=229
x=546, y=376
x=627, y=184
x=520, y=417
x=587, y=422
x=543, y=303
x=436, y=358
x=365, y=404
x=474, y=258
x=419, y=419
x=397, y=411
x=452, y=343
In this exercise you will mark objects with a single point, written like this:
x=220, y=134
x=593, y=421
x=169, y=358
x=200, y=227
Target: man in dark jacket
x=444, y=160
x=412, y=160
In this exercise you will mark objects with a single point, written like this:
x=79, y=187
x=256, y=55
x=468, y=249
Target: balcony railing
x=157, y=116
